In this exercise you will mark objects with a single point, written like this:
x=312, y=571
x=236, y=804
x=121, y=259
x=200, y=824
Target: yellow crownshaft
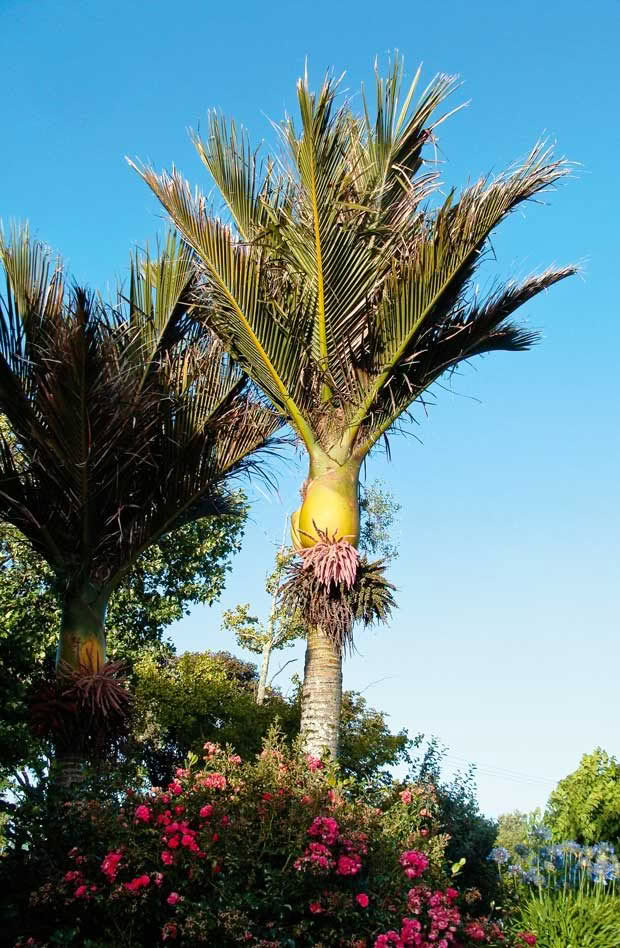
x=330, y=505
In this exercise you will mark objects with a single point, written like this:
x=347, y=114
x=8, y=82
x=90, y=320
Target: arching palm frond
x=343, y=294
x=123, y=421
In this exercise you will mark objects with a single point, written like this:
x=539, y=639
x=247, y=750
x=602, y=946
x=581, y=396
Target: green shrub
x=571, y=920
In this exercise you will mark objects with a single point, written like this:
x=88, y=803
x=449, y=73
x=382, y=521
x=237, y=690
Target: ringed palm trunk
x=330, y=504
x=81, y=646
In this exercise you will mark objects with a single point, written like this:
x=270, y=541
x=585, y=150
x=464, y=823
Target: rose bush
x=266, y=853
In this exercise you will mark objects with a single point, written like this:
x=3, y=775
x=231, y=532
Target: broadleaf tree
x=343, y=282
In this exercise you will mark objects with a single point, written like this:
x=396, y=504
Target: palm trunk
x=321, y=695
x=82, y=629
x=81, y=646
x=330, y=504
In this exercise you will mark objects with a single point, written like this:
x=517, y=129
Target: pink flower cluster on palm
x=333, y=561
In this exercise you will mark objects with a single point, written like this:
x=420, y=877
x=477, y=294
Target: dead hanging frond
x=82, y=709
x=334, y=606
x=332, y=561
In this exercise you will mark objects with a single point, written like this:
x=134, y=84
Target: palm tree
x=122, y=423
x=344, y=293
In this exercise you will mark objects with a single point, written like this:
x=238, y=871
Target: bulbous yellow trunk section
x=330, y=505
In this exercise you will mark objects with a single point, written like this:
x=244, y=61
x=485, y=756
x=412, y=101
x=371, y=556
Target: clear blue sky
x=506, y=643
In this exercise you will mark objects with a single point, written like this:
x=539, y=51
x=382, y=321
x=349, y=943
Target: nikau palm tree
x=344, y=293
x=125, y=422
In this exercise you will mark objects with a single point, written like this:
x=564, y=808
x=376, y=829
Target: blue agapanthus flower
x=540, y=832
x=603, y=871
x=499, y=855
x=521, y=850
x=534, y=877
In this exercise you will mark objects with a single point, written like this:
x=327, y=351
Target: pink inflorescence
x=333, y=561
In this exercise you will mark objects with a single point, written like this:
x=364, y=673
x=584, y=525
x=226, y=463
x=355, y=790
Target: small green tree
x=514, y=828
x=280, y=629
x=585, y=806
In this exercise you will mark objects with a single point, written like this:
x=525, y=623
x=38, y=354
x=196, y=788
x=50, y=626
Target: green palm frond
x=238, y=307
x=345, y=294
x=124, y=420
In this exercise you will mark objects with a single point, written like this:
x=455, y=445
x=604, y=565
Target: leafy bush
x=277, y=852
x=471, y=833
x=571, y=920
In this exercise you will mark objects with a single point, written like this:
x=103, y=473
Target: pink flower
x=234, y=759
x=179, y=809
x=173, y=842
x=316, y=908
x=475, y=931
x=181, y=773
x=169, y=931
x=390, y=938
x=215, y=781
x=211, y=748
x=452, y=894
x=527, y=937
x=225, y=821
x=206, y=811
x=175, y=787
x=143, y=814
x=109, y=866
x=414, y=863
x=167, y=858
x=348, y=865
x=173, y=898
x=305, y=800
x=325, y=828
x=406, y=796
x=362, y=899
x=140, y=882
x=72, y=876
x=314, y=763
x=158, y=877
x=81, y=892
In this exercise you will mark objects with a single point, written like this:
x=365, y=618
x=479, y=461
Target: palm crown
x=336, y=286
x=124, y=421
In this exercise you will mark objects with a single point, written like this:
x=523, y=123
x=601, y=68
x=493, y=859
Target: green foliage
x=367, y=746
x=282, y=626
x=181, y=702
x=513, y=828
x=585, y=806
x=378, y=511
x=186, y=567
x=573, y=920
x=472, y=834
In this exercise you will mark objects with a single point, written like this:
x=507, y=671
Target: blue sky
x=505, y=645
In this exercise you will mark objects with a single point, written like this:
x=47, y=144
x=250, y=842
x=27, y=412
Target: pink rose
x=143, y=814
x=206, y=811
x=406, y=796
x=362, y=899
x=167, y=858
x=314, y=763
x=316, y=908
x=81, y=892
x=173, y=898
